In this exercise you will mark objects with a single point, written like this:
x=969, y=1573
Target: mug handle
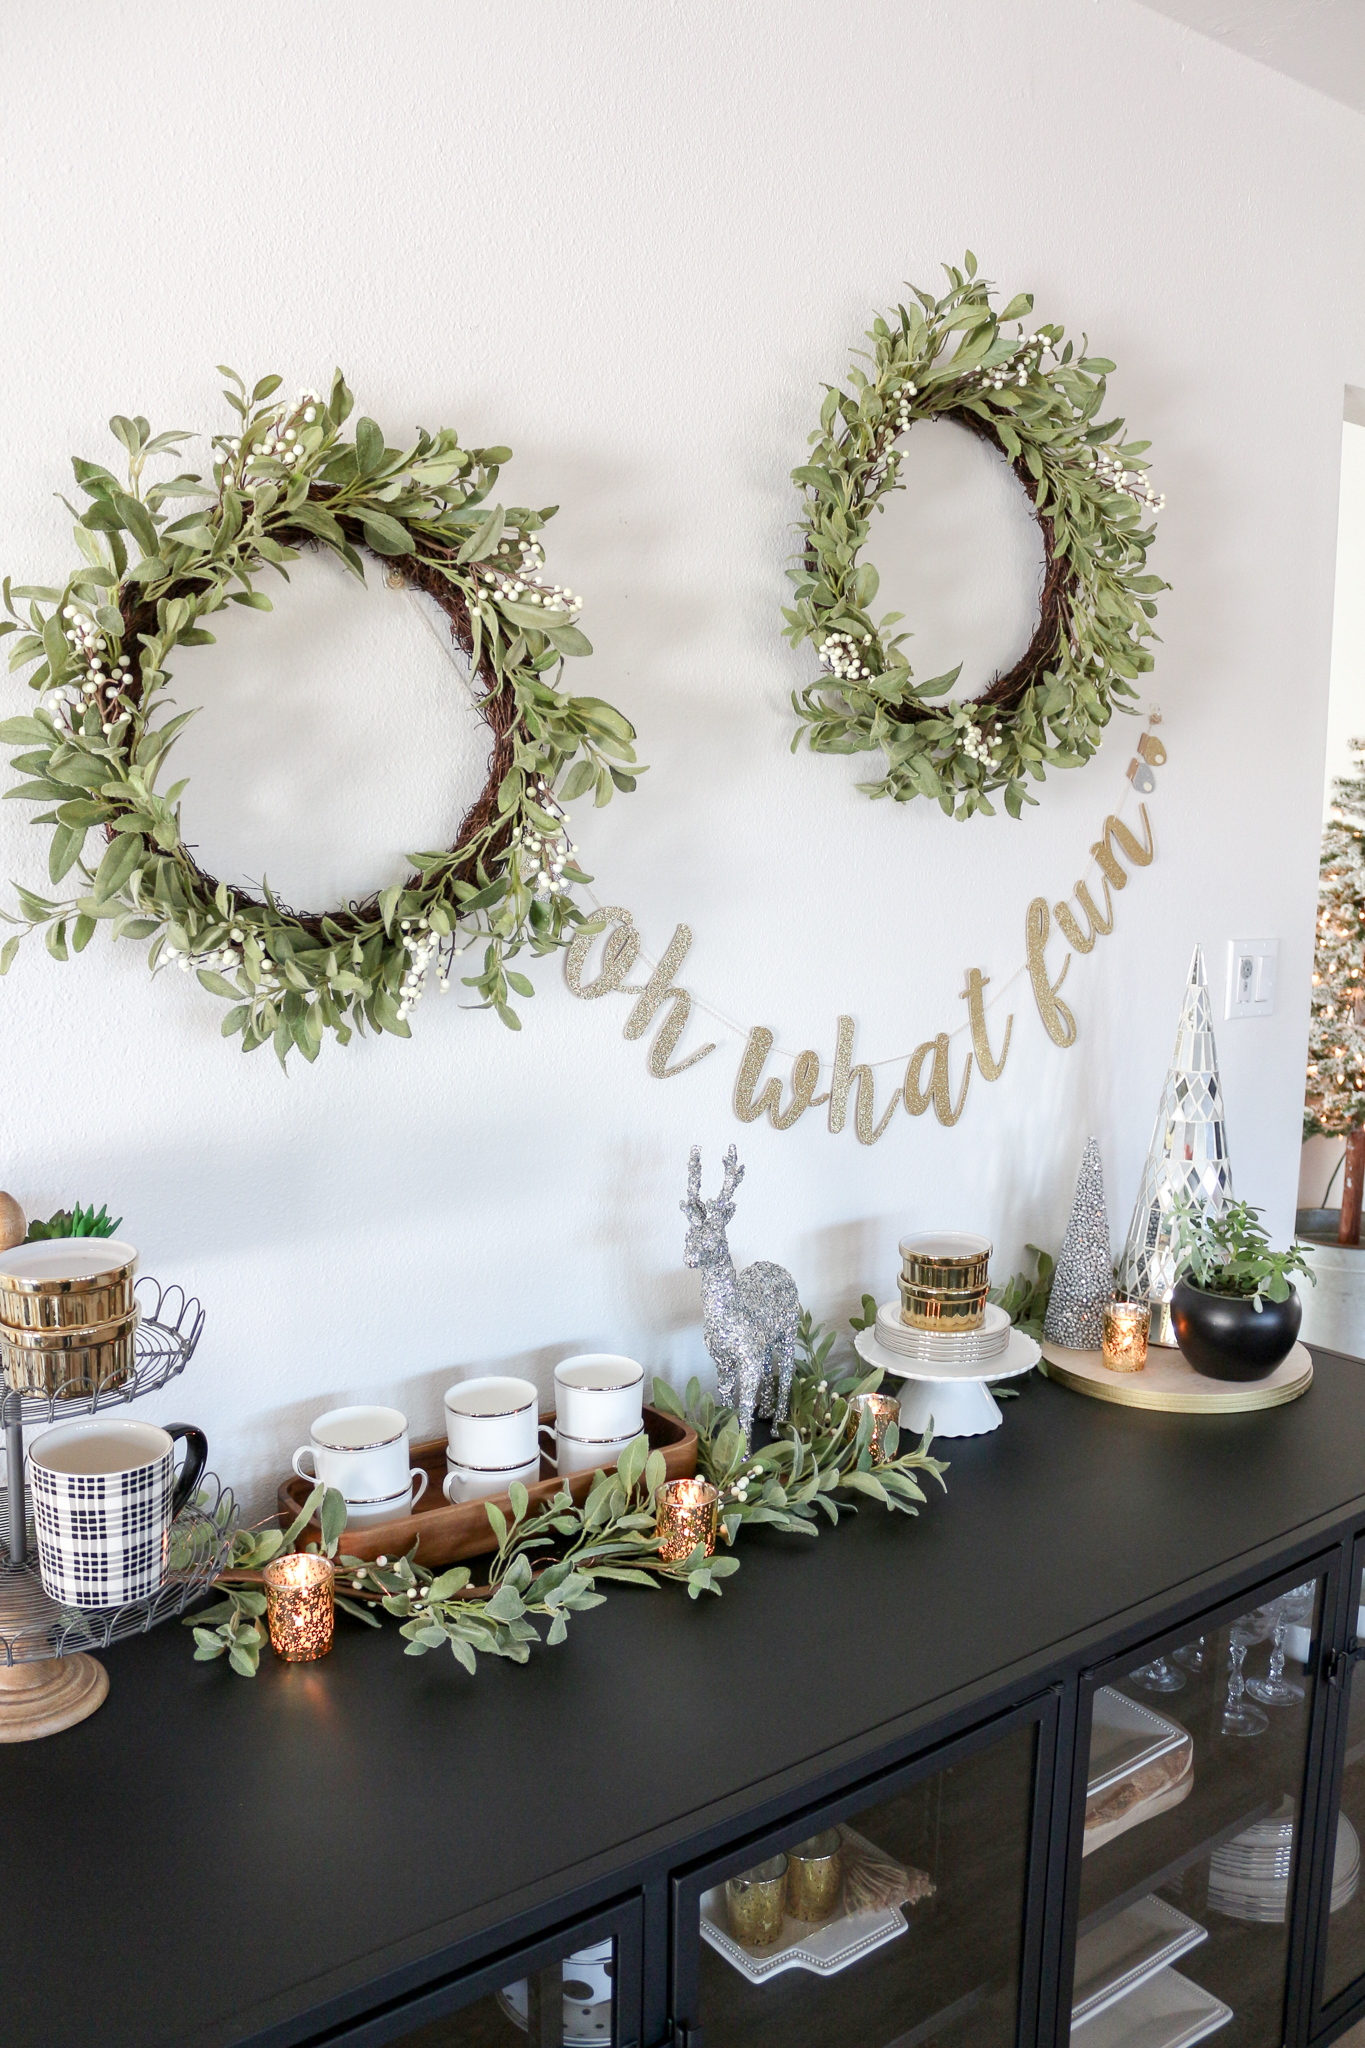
x=544, y=1429
x=196, y=1457
x=306, y=1451
x=422, y=1476
x=446, y=1485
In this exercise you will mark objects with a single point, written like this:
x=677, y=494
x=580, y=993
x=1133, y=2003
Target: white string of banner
x=727, y=1023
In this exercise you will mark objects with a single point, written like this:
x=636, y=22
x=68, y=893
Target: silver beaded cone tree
x=1084, y=1279
x=1188, y=1159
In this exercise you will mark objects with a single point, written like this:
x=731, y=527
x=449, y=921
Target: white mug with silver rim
x=491, y=1423
x=462, y=1483
x=104, y=1495
x=361, y=1514
x=363, y=1453
x=574, y=1454
x=599, y=1397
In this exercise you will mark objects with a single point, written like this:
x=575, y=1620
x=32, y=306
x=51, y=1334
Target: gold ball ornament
x=13, y=1226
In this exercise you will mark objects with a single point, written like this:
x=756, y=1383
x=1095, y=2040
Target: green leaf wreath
x=149, y=582
x=551, y=1564
x=1031, y=396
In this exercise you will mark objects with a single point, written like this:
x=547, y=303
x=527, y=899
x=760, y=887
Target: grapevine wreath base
x=93, y=749
x=1032, y=397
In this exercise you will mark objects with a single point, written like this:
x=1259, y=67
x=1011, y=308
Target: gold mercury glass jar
x=815, y=1872
x=755, y=1903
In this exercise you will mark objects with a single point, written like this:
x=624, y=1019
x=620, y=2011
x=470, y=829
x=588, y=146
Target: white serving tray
x=824, y=1946
x=1124, y=1952
x=1165, y=2011
x=1125, y=1737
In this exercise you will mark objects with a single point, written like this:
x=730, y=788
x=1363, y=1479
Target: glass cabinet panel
x=1344, y=1957
x=1193, y=1787
x=581, y=1991
x=561, y=2005
x=897, y=1921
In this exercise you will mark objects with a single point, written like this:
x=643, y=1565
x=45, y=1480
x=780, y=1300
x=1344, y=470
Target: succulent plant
x=77, y=1222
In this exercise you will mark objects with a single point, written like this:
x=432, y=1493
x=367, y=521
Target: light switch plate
x=1253, y=965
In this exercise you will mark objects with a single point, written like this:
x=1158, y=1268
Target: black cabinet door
x=1193, y=1822
x=576, y=1988
x=905, y=1913
x=1337, y=1908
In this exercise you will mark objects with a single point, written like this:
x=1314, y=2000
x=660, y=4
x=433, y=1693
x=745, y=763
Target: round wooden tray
x=1169, y=1382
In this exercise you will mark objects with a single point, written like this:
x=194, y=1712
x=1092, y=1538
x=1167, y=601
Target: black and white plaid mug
x=104, y=1496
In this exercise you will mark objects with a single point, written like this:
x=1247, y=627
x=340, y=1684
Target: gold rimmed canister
x=943, y=1280
x=71, y=1364
x=66, y=1283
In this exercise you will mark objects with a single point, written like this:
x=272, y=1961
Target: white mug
x=599, y=1397
x=361, y=1514
x=491, y=1423
x=462, y=1484
x=572, y=1454
x=104, y=1497
x=362, y=1452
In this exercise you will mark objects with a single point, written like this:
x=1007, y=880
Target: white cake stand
x=956, y=1398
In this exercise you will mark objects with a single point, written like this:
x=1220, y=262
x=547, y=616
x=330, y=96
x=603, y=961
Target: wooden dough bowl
x=445, y=1534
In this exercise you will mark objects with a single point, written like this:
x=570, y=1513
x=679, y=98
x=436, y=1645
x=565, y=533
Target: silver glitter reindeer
x=749, y=1318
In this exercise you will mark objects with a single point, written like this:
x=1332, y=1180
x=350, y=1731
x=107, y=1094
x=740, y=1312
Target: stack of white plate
x=1249, y=1876
x=927, y=1347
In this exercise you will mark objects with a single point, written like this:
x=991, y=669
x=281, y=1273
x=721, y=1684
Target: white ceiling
x=1319, y=42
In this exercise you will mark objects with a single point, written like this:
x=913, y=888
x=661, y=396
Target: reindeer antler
x=734, y=1174
x=693, y=1205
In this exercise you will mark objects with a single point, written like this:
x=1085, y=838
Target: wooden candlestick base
x=42, y=1699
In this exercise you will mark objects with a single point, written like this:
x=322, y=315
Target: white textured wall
x=632, y=242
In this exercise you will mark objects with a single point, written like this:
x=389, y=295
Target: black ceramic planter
x=1224, y=1336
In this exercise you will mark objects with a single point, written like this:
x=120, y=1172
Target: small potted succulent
x=1235, y=1310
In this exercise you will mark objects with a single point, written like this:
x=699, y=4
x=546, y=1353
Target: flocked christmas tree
x=1334, y=1099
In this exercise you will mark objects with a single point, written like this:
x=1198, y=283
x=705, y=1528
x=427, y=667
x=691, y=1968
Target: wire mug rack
x=48, y=1677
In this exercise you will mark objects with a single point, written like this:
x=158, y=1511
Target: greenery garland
x=1033, y=398
x=549, y=1565
x=147, y=585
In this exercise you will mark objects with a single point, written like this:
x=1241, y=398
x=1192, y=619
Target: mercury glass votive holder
x=885, y=1411
x=1126, y=1324
x=299, y=1606
x=756, y=1901
x=686, y=1516
x=815, y=1873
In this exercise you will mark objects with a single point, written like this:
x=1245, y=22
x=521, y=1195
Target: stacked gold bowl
x=67, y=1316
x=943, y=1281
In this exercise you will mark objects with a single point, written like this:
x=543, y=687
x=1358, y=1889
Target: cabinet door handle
x=1341, y=1662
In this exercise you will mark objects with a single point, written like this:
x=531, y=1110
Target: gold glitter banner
x=928, y=1076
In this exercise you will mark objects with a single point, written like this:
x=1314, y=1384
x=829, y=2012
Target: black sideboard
x=356, y=1850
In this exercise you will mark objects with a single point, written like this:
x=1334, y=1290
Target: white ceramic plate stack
x=947, y=1375
x=1249, y=1876
x=930, y=1347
